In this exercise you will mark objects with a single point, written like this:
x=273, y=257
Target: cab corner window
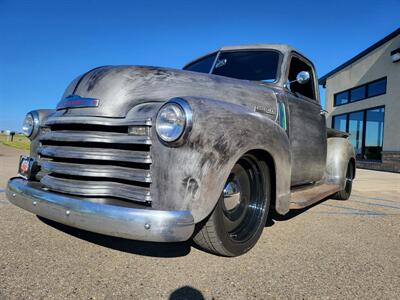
x=306, y=89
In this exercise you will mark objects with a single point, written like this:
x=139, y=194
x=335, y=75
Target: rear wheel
x=239, y=217
x=346, y=192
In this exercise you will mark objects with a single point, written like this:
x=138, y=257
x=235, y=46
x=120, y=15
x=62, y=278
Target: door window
x=307, y=89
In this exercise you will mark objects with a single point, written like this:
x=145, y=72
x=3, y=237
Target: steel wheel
x=242, y=201
x=241, y=212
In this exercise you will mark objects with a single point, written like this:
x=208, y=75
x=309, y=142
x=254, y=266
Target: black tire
x=346, y=192
x=234, y=228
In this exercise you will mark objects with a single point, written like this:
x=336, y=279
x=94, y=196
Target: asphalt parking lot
x=336, y=249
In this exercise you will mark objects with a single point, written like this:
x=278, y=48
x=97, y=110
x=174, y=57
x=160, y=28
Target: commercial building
x=363, y=98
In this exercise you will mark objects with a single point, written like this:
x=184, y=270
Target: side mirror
x=303, y=77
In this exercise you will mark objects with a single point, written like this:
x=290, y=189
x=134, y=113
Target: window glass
x=249, y=65
x=357, y=93
x=377, y=88
x=340, y=122
x=306, y=89
x=368, y=145
x=203, y=66
x=356, y=132
x=342, y=98
x=374, y=133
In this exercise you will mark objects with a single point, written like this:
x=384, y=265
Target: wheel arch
x=279, y=190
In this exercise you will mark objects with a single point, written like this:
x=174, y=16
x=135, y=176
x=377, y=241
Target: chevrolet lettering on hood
x=76, y=101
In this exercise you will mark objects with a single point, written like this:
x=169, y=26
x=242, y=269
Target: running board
x=303, y=197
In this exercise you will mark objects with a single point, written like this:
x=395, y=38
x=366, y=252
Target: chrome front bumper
x=120, y=221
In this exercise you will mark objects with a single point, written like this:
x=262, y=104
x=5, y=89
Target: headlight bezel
x=35, y=125
x=185, y=108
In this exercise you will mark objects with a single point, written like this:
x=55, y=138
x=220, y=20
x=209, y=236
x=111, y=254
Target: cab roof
x=280, y=47
x=283, y=48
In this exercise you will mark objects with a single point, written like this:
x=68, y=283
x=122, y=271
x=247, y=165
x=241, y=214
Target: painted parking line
x=344, y=213
x=355, y=211
x=351, y=213
x=373, y=202
x=374, y=198
x=376, y=204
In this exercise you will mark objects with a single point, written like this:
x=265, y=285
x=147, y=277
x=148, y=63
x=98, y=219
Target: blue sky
x=45, y=44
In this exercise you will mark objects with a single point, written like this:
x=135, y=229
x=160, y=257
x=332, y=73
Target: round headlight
x=28, y=125
x=170, y=122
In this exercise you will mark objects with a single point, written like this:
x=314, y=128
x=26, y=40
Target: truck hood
x=120, y=88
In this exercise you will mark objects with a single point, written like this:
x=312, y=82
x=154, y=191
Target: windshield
x=249, y=65
x=203, y=65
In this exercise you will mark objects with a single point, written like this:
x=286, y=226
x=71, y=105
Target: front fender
x=192, y=176
x=340, y=152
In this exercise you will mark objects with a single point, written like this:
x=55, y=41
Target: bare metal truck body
x=165, y=155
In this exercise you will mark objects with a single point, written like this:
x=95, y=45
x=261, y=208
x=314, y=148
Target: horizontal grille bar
x=96, y=171
x=96, y=157
x=96, y=121
x=95, y=153
x=97, y=188
x=93, y=136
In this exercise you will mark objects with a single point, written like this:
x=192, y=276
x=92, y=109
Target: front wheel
x=239, y=217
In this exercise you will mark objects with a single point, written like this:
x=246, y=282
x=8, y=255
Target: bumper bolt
x=34, y=203
x=14, y=195
x=67, y=212
x=147, y=226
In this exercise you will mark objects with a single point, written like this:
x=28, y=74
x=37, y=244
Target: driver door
x=307, y=126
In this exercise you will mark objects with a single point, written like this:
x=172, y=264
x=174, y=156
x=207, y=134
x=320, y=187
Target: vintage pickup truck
x=166, y=155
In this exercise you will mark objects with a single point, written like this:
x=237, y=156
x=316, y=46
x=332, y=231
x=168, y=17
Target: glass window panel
x=339, y=122
x=342, y=98
x=356, y=132
x=377, y=88
x=248, y=65
x=203, y=65
x=357, y=93
x=306, y=89
x=374, y=133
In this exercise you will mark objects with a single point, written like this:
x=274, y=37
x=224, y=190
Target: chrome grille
x=96, y=157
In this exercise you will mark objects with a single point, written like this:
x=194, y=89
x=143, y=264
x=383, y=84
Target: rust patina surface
x=231, y=117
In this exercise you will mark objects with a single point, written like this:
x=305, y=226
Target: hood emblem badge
x=265, y=110
x=76, y=101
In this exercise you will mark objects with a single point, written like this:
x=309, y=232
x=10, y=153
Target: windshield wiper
x=220, y=63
